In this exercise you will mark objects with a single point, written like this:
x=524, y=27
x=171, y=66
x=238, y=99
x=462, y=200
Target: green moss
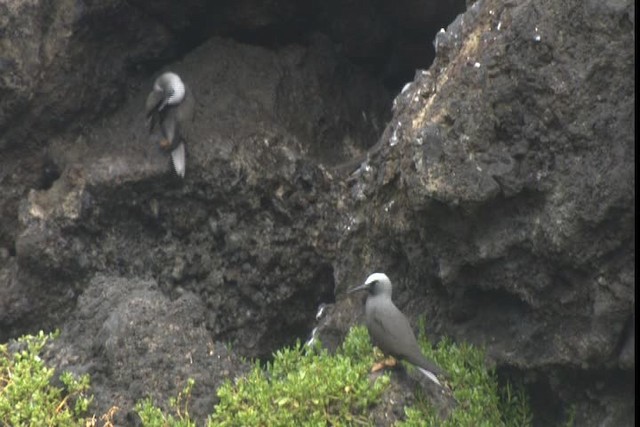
x=570, y=415
x=27, y=397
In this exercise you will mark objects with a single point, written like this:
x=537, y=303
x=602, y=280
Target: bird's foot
x=164, y=143
x=389, y=362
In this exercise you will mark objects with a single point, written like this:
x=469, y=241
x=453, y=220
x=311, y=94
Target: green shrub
x=27, y=397
x=153, y=416
x=301, y=386
x=304, y=386
x=310, y=387
x=480, y=400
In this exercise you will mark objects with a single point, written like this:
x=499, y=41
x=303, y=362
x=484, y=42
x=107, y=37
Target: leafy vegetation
x=153, y=416
x=27, y=397
x=570, y=415
x=302, y=386
x=480, y=401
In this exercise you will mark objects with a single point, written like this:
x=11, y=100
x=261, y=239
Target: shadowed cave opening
x=391, y=40
x=386, y=40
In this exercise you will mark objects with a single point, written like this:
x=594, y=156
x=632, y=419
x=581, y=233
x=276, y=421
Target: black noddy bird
x=389, y=329
x=169, y=108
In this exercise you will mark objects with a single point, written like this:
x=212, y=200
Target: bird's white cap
x=376, y=277
x=174, y=83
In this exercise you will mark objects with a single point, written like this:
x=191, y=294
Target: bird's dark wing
x=170, y=125
x=154, y=100
x=152, y=113
x=390, y=330
x=186, y=108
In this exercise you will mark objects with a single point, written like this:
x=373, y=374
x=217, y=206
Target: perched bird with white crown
x=390, y=330
x=170, y=109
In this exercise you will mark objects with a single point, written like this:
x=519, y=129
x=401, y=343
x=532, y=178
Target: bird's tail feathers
x=429, y=375
x=178, y=159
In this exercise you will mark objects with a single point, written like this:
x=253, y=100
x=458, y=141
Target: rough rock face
x=245, y=237
x=499, y=198
x=134, y=341
x=60, y=66
x=502, y=199
x=243, y=230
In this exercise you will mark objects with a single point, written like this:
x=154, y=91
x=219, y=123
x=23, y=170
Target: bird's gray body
x=169, y=108
x=389, y=329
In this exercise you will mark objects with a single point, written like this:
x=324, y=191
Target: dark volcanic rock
x=499, y=199
x=134, y=341
x=60, y=65
x=241, y=235
x=249, y=227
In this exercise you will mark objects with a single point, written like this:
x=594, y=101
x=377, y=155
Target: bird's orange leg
x=389, y=362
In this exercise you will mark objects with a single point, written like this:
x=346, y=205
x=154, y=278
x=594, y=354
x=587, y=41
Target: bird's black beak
x=165, y=99
x=163, y=104
x=364, y=287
